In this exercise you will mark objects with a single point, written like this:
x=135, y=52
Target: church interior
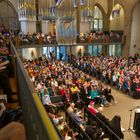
x=69, y=70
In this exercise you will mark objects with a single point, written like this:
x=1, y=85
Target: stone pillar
x=40, y=52
x=127, y=35
x=86, y=48
x=126, y=47
x=105, y=50
x=78, y=17
x=106, y=22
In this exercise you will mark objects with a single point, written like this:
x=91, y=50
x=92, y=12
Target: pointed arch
x=117, y=17
x=133, y=9
x=11, y=5
x=101, y=8
x=10, y=18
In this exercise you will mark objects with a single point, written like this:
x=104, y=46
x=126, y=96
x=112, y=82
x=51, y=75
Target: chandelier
x=47, y=10
x=87, y=12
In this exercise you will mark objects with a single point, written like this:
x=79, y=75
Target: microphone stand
x=131, y=129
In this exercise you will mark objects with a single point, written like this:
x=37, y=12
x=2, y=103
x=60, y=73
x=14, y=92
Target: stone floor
x=124, y=104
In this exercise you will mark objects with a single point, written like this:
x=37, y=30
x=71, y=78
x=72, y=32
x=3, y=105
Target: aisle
x=124, y=104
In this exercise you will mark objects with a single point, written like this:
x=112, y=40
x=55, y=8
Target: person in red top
x=92, y=109
x=62, y=90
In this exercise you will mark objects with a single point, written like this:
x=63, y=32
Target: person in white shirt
x=47, y=101
x=54, y=83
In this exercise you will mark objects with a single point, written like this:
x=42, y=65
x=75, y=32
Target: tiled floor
x=124, y=104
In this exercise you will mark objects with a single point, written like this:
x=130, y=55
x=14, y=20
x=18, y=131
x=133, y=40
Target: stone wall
x=135, y=32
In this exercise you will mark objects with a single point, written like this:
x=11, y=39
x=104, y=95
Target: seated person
x=94, y=95
x=92, y=109
x=56, y=118
x=75, y=93
x=71, y=135
x=107, y=93
x=61, y=125
x=91, y=129
x=98, y=135
x=70, y=109
x=98, y=113
x=47, y=101
x=77, y=119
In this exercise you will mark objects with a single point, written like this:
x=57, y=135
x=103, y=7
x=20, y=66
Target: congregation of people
x=77, y=89
x=99, y=36
x=37, y=38
x=6, y=68
x=122, y=73
x=11, y=120
x=71, y=87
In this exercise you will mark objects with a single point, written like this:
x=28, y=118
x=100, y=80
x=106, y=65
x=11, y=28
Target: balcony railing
x=37, y=123
x=100, y=37
x=87, y=38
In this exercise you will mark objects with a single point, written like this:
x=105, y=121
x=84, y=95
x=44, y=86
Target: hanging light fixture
x=75, y=3
x=81, y=2
x=90, y=13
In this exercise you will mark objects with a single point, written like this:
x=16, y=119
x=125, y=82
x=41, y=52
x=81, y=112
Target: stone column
x=105, y=50
x=127, y=35
x=78, y=17
x=127, y=39
x=106, y=22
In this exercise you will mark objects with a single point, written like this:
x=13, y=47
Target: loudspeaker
x=138, y=128
x=136, y=119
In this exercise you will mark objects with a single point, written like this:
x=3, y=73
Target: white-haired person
x=98, y=113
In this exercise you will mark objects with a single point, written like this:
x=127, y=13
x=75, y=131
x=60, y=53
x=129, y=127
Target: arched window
x=97, y=23
x=94, y=16
x=8, y=15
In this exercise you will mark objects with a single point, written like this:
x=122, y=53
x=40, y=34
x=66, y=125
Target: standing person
x=116, y=126
x=108, y=95
x=70, y=109
x=50, y=55
x=79, y=53
x=60, y=56
x=47, y=101
x=53, y=55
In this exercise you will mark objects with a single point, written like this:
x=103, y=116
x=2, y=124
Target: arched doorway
x=8, y=15
x=135, y=32
x=117, y=18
